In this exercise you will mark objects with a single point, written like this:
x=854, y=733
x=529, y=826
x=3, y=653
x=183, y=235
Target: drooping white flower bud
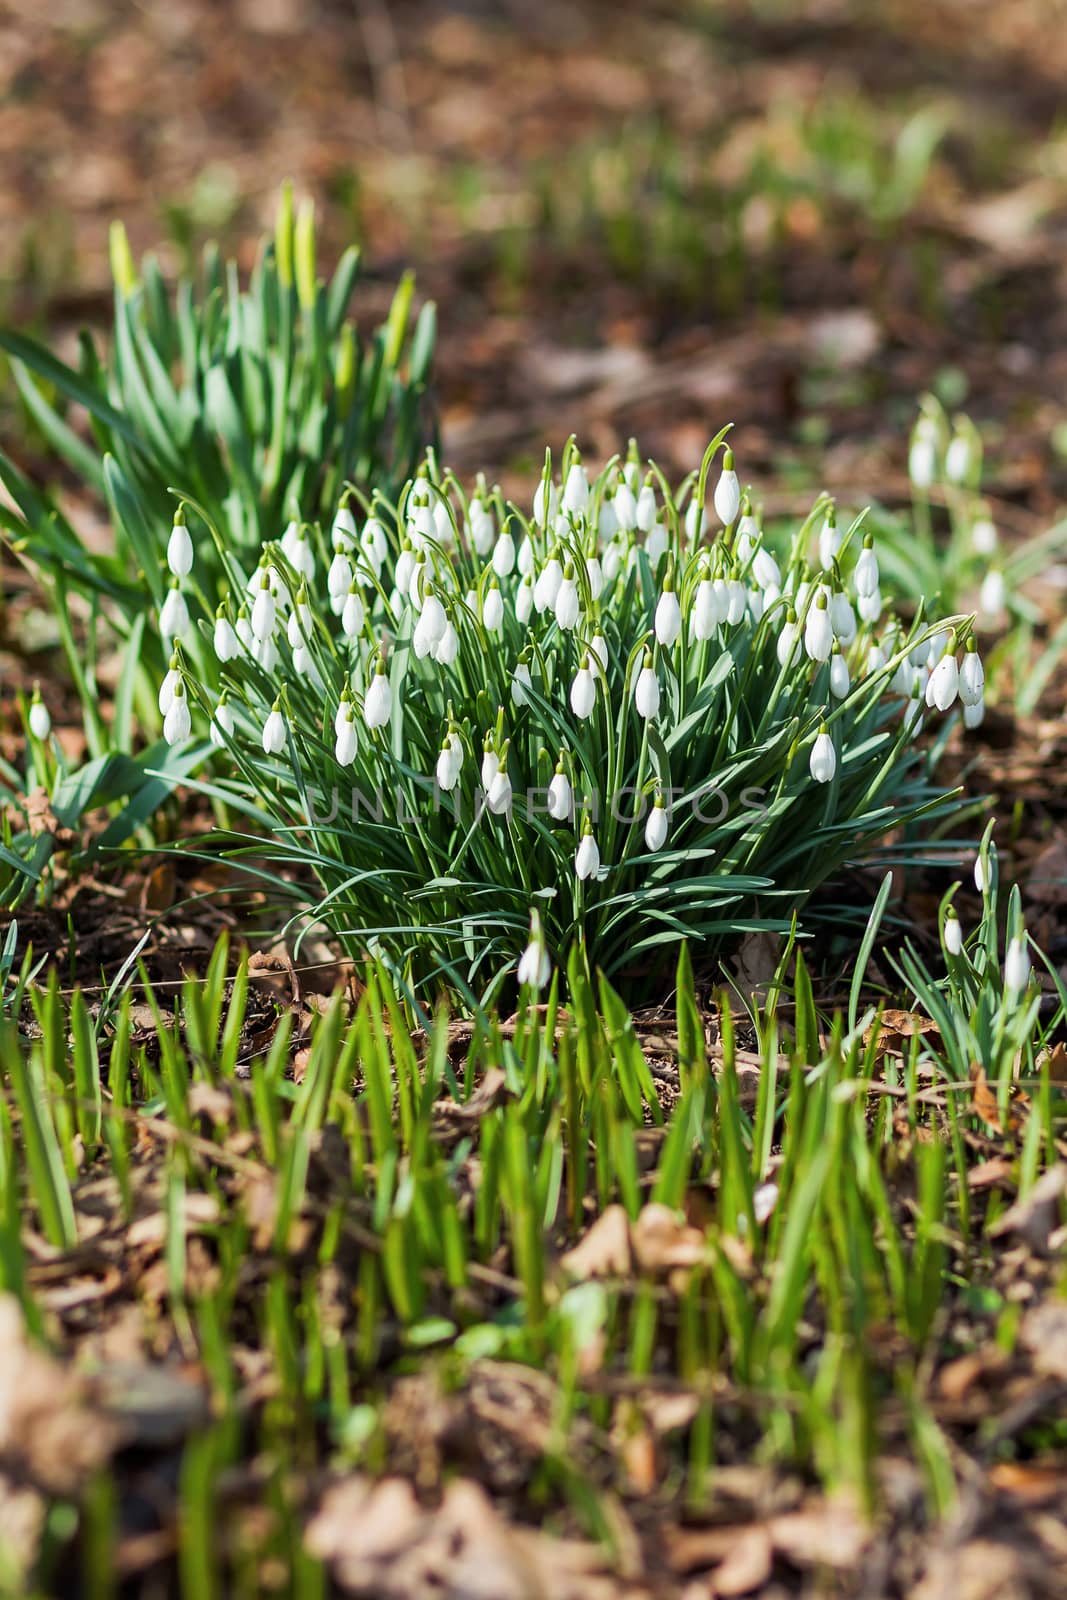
x=1017, y=966
x=177, y=724
x=668, y=616
x=727, y=492
x=869, y=606
x=493, y=609
x=225, y=641
x=499, y=796
x=447, y=771
x=993, y=594
x=736, y=601
x=404, y=570
x=705, y=614
x=587, y=855
x=818, y=630
x=944, y=682
x=374, y=543
x=696, y=521
x=842, y=617
x=646, y=508
x=576, y=490
x=625, y=507
x=646, y=690
x=560, y=795
x=567, y=600
x=447, y=647
x=547, y=587
x=526, y=560
x=922, y=456
x=378, y=701
x=520, y=682
x=974, y=715
x=583, y=691
x=264, y=610
x=535, y=969
x=524, y=600
x=598, y=655
x=222, y=723
x=274, y=731
x=953, y=933
x=345, y=746
x=39, y=720
x=787, y=639
x=839, y=679
x=765, y=569
x=490, y=763
x=545, y=504
x=972, y=676
x=180, y=547
x=343, y=532
x=830, y=539
x=171, y=680
x=430, y=628
x=866, y=574
x=174, y=614
x=480, y=526
x=352, y=616
x=823, y=759
x=984, y=536
x=656, y=826
x=958, y=458
x=656, y=544
x=594, y=576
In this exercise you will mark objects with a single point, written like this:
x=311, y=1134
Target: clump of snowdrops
x=615, y=716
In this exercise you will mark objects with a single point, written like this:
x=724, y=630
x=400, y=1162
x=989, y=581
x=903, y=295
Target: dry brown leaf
x=823, y=1533
x=985, y=1103
x=603, y=1252
x=663, y=1240
x=1044, y=1333
x=748, y=1565
x=1036, y=1216
x=1034, y=1482
x=982, y=1569
x=491, y=1091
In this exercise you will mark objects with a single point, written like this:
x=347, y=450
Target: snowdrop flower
x=982, y=876
x=524, y=601
x=174, y=614
x=646, y=508
x=343, y=705
x=598, y=655
x=765, y=569
x=374, y=544
x=993, y=593
x=265, y=654
x=567, y=599
x=705, y=614
x=656, y=826
x=353, y=614
x=221, y=727
x=668, y=616
x=594, y=576
x=525, y=561
x=274, y=731
x=339, y=576
x=560, y=794
x=490, y=762
x=343, y=532
x=736, y=601
x=839, y=680
x=922, y=456
x=830, y=539
x=587, y=855
x=421, y=524
x=866, y=574
x=646, y=690
x=953, y=933
x=656, y=544
x=520, y=682
x=787, y=638
x=876, y=659
x=958, y=458
x=504, y=555
x=870, y=606
x=972, y=676
x=177, y=723
x=545, y=504
x=842, y=617
x=535, y=968
x=442, y=521
x=493, y=609
x=447, y=647
x=944, y=682
x=304, y=665
x=447, y=769
x=431, y=626
x=913, y=711
x=378, y=701
x=547, y=587
x=583, y=691
x=1017, y=966
x=576, y=489
x=296, y=548
x=624, y=506
x=243, y=629
x=696, y=521
x=974, y=715
x=166, y=689
x=748, y=531
x=984, y=536
x=727, y=492
x=499, y=796
x=818, y=631
x=180, y=547
x=39, y=720
x=344, y=749
x=225, y=641
x=480, y=526
x=404, y=570
x=823, y=759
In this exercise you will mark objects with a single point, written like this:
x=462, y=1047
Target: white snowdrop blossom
x=567, y=601
x=547, y=587
x=222, y=723
x=1017, y=966
x=839, y=678
x=823, y=759
x=944, y=682
x=167, y=688
x=830, y=540
x=656, y=826
x=583, y=691
x=499, y=795
x=493, y=609
x=993, y=594
x=177, y=724
x=378, y=701
x=346, y=742
x=535, y=968
x=39, y=720
x=174, y=620
x=274, y=731
x=971, y=677
x=818, y=630
x=587, y=855
x=727, y=492
x=180, y=547
x=953, y=933
x=576, y=490
x=866, y=574
x=560, y=795
x=668, y=618
x=646, y=690
x=520, y=682
x=984, y=538
x=224, y=640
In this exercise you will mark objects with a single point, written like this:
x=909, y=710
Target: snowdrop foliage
x=606, y=707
